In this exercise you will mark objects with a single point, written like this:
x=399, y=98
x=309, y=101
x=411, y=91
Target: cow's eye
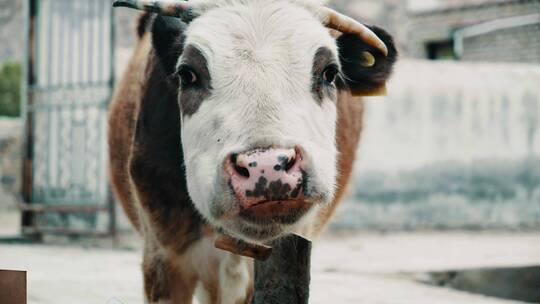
x=187, y=76
x=330, y=73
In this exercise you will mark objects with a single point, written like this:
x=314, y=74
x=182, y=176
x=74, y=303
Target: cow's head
x=258, y=84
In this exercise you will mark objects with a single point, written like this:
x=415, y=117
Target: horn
x=345, y=24
x=334, y=20
x=175, y=8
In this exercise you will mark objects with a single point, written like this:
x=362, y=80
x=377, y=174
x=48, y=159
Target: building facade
x=489, y=30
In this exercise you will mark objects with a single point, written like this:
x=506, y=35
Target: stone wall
x=11, y=34
x=10, y=161
x=516, y=44
x=454, y=145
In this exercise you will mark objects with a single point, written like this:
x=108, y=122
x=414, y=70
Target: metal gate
x=69, y=85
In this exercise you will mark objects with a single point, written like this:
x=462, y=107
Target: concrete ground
x=346, y=268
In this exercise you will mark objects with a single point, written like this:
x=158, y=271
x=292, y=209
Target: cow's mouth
x=275, y=212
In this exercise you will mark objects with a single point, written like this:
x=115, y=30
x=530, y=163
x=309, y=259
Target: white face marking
x=260, y=59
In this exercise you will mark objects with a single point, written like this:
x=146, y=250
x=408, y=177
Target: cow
x=237, y=118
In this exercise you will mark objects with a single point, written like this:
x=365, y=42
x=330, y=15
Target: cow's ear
x=364, y=67
x=168, y=41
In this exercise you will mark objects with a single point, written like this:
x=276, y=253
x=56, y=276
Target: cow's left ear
x=365, y=68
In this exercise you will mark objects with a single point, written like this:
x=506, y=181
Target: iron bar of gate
x=27, y=217
x=65, y=208
x=112, y=204
x=285, y=276
x=48, y=159
x=64, y=231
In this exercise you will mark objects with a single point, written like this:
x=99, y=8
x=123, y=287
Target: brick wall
x=440, y=25
x=518, y=44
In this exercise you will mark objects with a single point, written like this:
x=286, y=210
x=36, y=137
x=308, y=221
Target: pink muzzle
x=266, y=175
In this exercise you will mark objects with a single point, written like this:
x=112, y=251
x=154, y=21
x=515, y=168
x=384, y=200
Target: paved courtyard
x=347, y=268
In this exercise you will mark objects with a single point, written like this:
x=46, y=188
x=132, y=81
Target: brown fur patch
x=145, y=151
x=165, y=282
x=122, y=118
x=146, y=170
x=157, y=166
x=349, y=129
x=156, y=278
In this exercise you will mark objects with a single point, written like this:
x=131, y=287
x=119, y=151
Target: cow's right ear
x=168, y=41
x=365, y=68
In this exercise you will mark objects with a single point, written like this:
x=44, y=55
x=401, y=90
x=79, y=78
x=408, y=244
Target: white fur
x=260, y=58
x=230, y=272
x=234, y=277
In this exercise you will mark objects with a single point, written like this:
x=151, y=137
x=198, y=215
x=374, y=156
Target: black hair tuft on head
x=168, y=41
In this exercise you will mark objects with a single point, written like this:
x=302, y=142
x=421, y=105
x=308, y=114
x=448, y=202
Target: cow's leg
x=165, y=283
x=235, y=280
x=229, y=283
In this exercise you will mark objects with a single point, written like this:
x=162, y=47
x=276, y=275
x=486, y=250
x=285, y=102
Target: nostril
x=239, y=169
x=242, y=171
x=291, y=160
x=290, y=163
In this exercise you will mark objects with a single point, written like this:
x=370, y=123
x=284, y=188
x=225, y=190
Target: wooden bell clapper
x=282, y=271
